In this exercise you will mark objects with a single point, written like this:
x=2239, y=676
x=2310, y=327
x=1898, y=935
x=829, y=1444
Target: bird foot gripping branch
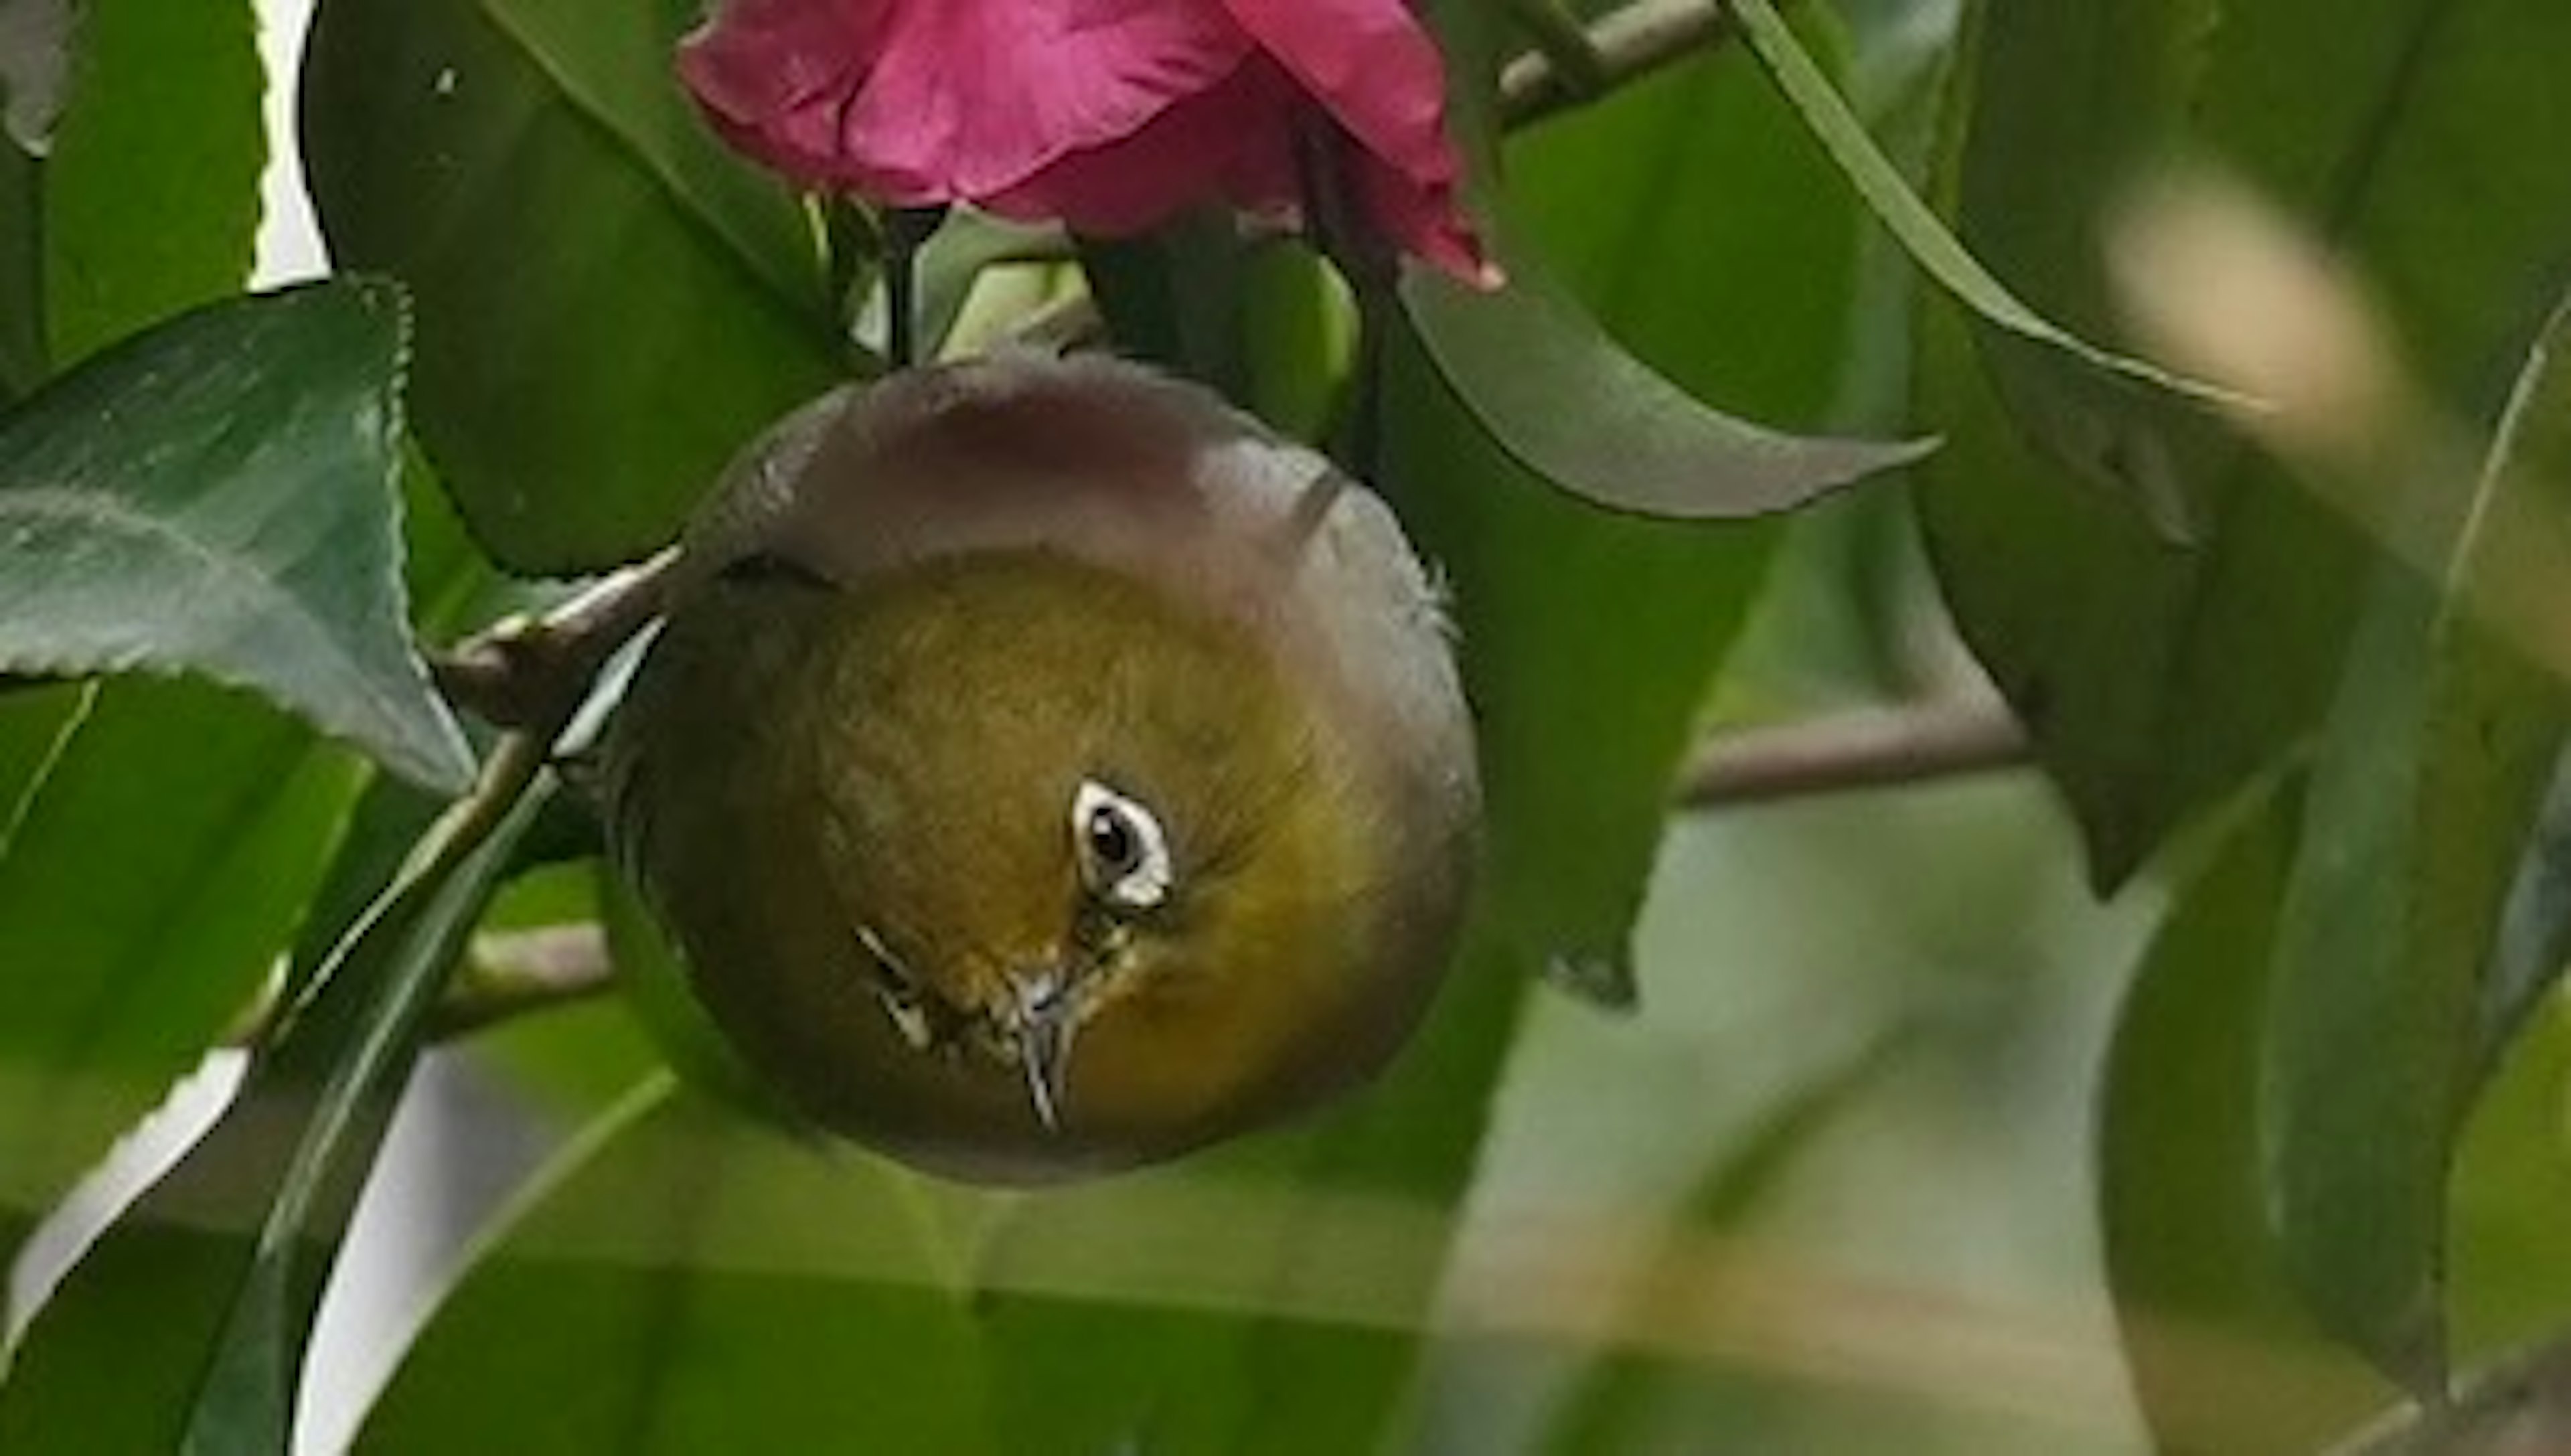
x=1044, y=768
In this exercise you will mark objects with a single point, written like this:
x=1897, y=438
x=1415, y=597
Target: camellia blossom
x=1107, y=115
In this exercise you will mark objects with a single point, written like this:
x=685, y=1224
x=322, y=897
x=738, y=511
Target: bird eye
x=1124, y=857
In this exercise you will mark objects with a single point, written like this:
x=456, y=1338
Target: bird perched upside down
x=1044, y=770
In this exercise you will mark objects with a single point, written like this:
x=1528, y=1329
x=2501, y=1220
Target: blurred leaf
x=1569, y=404
x=2224, y=1358
x=2428, y=780
x=2534, y=947
x=35, y=70
x=221, y=1368
x=217, y=497
x=681, y=1280
x=2521, y=1407
x=1614, y=1406
x=1901, y=211
x=604, y=313
x=2158, y=677
x=152, y=879
x=150, y=191
x=2510, y=1248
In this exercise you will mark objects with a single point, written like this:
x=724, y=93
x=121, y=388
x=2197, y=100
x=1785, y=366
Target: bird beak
x=1044, y=1029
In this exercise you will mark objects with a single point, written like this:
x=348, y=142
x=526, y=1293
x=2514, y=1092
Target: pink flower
x=1108, y=114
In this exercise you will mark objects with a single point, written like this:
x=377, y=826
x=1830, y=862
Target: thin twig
x=1630, y=44
x=513, y=973
x=524, y=672
x=1862, y=749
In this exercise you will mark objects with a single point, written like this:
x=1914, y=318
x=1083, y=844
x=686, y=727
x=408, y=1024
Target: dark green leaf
x=150, y=191
x=216, y=497
x=220, y=1370
x=2224, y=1359
x=1899, y=208
x=1590, y=637
x=604, y=313
x=2157, y=677
x=1569, y=404
x=2429, y=777
x=1174, y=297
x=613, y=65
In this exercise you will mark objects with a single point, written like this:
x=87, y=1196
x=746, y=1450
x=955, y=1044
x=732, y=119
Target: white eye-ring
x=1124, y=856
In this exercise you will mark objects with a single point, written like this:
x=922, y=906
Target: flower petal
x=1379, y=76
x=1424, y=222
x=1232, y=143
x=1370, y=64
x=920, y=101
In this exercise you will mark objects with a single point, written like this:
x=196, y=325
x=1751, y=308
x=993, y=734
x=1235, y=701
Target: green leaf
x=1590, y=637
x=217, y=497
x=222, y=1366
x=2153, y=675
x=1900, y=211
x=2510, y=1249
x=148, y=882
x=2429, y=780
x=150, y=191
x=1569, y=404
x=2224, y=1358
x=679, y=1280
x=2534, y=948
x=606, y=312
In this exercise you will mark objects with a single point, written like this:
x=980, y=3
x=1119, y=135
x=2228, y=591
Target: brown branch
x=1860, y=749
x=522, y=670
x=1629, y=44
x=512, y=973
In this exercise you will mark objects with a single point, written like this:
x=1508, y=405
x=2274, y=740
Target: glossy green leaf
x=1589, y=637
x=606, y=312
x=148, y=882
x=2223, y=1358
x=2156, y=675
x=151, y=187
x=1570, y=405
x=2429, y=777
x=1901, y=210
x=233, y=1305
x=612, y=64
x=681, y=1280
x=217, y=497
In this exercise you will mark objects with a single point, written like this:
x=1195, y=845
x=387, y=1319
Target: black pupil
x=1111, y=841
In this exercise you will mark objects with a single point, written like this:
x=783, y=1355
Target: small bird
x=1044, y=768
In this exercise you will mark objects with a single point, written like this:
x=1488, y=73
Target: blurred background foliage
x=2189, y=1076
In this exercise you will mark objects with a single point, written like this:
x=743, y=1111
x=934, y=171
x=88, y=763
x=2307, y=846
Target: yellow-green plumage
x=926, y=621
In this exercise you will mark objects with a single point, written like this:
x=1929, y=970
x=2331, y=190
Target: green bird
x=1044, y=768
